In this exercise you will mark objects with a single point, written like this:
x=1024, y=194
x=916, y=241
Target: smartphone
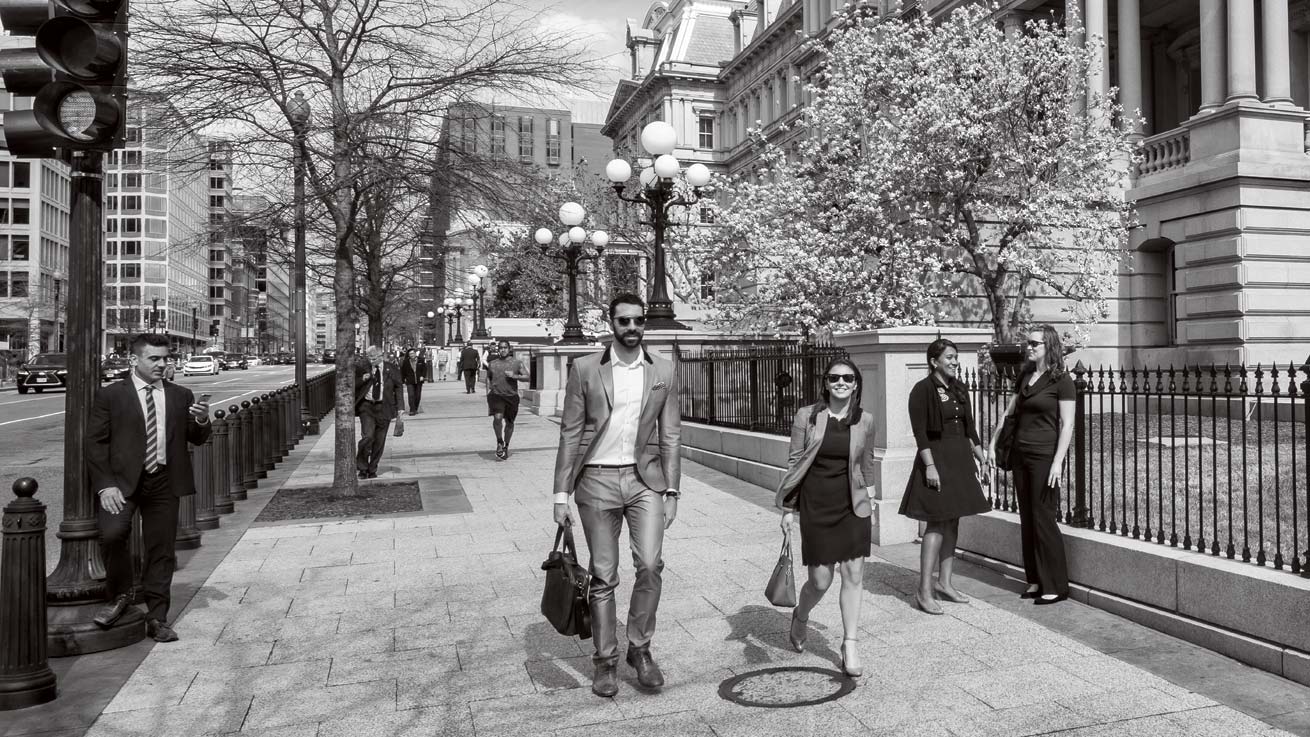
x=204, y=398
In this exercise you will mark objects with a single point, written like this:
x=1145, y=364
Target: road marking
x=229, y=381
x=33, y=399
x=38, y=417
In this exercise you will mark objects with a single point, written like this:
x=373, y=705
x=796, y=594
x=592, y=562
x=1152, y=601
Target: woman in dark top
x=1043, y=408
x=831, y=457
x=944, y=484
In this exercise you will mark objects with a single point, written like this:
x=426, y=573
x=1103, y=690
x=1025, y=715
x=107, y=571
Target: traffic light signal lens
x=77, y=114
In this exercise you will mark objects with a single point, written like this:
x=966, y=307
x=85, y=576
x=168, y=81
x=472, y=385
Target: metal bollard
x=274, y=428
x=280, y=421
x=298, y=412
x=269, y=455
x=188, y=535
x=25, y=675
x=220, y=466
x=206, y=514
x=249, y=479
x=257, y=438
x=293, y=419
x=232, y=466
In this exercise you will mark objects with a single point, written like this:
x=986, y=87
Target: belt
x=158, y=470
x=610, y=466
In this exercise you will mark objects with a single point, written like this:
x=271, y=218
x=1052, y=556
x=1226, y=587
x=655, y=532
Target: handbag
x=781, y=589
x=400, y=425
x=565, y=602
x=1005, y=443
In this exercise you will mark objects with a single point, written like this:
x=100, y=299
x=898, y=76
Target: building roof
x=711, y=40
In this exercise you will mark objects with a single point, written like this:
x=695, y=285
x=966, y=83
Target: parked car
x=253, y=361
x=204, y=365
x=286, y=359
x=44, y=371
x=237, y=361
x=115, y=368
x=330, y=355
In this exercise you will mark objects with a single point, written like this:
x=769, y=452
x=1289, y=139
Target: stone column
x=1098, y=39
x=891, y=361
x=1213, y=34
x=1241, y=50
x=1130, y=62
x=1277, y=52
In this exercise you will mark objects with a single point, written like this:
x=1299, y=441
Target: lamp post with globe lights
x=299, y=111
x=478, y=289
x=456, y=306
x=659, y=196
x=572, y=252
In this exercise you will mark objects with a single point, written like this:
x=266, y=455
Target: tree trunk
x=345, y=477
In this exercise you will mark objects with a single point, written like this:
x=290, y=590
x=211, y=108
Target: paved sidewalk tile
x=429, y=624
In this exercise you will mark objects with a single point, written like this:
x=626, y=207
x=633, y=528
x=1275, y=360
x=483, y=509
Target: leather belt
x=610, y=466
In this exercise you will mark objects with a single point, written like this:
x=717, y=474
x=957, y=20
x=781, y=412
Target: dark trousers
x=470, y=379
x=154, y=498
x=1039, y=506
x=373, y=425
x=415, y=391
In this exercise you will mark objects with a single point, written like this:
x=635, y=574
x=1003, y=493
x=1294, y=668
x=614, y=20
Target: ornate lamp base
x=71, y=631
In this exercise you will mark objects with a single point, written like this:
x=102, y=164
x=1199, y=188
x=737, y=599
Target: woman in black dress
x=944, y=484
x=1043, y=407
x=825, y=483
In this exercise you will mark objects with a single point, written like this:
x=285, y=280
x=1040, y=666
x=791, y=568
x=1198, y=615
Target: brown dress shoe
x=605, y=682
x=113, y=612
x=648, y=673
x=159, y=631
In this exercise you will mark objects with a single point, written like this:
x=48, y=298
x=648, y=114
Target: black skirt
x=831, y=532
x=959, y=495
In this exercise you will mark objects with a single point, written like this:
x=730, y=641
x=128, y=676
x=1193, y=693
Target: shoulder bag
x=781, y=589
x=1009, y=427
x=565, y=602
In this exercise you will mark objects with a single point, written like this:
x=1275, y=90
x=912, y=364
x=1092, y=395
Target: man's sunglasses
x=639, y=320
x=841, y=378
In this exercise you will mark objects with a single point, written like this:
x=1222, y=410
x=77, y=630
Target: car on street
x=44, y=371
x=330, y=356
x=254, y=361
x=115, y=368
x=200, y=365
x=236, y=361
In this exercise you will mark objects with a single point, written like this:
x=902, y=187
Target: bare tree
x=364, y=67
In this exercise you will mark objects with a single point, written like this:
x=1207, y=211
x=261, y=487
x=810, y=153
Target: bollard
x=188, y=535
x=25, y=675
x=248, y=478
x=219, y=466
x=270, y=432
x=206, y=514
x=283, y=409
x=259, y=446
x=235, y=442
x=299, y=419
x=136, y=546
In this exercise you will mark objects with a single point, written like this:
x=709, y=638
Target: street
x=32, y=432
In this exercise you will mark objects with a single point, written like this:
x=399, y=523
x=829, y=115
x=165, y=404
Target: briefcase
x=565, y=601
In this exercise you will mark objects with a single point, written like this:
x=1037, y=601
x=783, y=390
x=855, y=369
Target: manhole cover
x=786, y=687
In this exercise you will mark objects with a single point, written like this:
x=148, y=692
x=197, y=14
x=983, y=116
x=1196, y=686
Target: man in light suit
x=377, y=399
x=137, y=458
x=619, y=459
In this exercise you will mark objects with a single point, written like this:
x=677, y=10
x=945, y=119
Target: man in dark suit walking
x=469, y=363
x=377, y=389
x=138, y=460
x=413, y=372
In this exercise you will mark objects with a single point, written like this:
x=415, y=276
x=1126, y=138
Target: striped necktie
x=152, y=431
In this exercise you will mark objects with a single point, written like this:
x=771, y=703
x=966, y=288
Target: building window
x=553, y=141
x=706, y=129
x=22, y=174
x=216, y=200
x=497, y=135
x=471, y=135
x=4, y=283
x=131, y=158
x=525, y=137
x=133, y=134
x=18, y=284
x=216, y=182
x=1173, y=298
x=706, y=215
x=215, y=292
x=706, y=284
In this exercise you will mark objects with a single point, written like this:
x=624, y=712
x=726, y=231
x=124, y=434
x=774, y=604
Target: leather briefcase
x=565, y=602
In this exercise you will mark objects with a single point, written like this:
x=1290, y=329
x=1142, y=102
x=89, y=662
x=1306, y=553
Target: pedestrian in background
x=413, y=372
x=504, y=372
x=1043, y=406
x=469, y=362
x=137, y=459
x=944, y=483
x=377, y=398
x=830, y=460
x=452, y=363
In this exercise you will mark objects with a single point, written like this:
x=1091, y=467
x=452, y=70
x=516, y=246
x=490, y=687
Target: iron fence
x=757, y=388
x=1212, y=459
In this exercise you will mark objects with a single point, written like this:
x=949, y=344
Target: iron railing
x=1206, y=458
x=757, y=388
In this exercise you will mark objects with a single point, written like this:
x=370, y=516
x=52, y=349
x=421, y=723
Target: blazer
x=391, y=388
x=805, y=441
x=469, y=359
x=116, y=438
x=588, y=399
x=416, y=375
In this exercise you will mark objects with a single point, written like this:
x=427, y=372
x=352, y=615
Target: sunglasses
x=841, y=378
x=1035, y=344
x=625, y=321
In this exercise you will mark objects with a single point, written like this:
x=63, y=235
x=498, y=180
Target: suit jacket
x=391, y=388
x=417, y=374
x=805, y=441
x=588, y=399
x=469, y=360
x=116, y=438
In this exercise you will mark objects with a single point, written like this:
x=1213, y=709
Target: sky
x=602, y=23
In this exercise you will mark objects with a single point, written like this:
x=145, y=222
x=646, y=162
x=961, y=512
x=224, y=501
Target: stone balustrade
x=1168, y=150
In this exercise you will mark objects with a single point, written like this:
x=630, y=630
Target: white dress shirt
x=161, y=430
x=617, y=446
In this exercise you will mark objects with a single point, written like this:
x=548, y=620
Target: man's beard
x=630, y=340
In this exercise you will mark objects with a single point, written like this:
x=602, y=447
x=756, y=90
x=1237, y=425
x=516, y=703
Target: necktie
x=152, y=431
x=377, y=384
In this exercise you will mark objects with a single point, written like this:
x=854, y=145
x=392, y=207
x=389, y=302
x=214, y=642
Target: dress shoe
x=1030, y=593
x=1044, y=600
x=605, y=681
x=648, y=673
x=798, y=632
x=850, y=659
x=113, y=612
x=160, y=631
x=929, y=606
x=955, y=598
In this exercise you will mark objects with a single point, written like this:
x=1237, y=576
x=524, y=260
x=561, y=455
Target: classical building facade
x=1219, y=268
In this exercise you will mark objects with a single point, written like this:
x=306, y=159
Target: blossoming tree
x=949, y=172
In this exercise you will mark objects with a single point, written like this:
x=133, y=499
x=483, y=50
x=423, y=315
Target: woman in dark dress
x=944, y=484
x=1043, y=407
x=831, y=457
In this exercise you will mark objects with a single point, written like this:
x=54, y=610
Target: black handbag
x=781, y=588
x=565, y=602
x=1009, y=428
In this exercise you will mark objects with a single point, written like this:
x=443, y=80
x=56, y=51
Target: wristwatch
x=671, y=493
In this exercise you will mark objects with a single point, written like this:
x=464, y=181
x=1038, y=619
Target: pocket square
x=659, y=385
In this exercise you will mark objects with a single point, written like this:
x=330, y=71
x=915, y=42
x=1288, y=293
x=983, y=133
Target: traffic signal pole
x=75, y=591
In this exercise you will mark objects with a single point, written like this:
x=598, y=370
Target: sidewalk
x=428, y=624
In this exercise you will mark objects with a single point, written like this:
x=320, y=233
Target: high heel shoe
x=956, y=598
x=929, y=606
x=798, y=640
x=850, y=659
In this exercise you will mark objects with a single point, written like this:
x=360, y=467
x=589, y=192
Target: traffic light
x=213, y=328
x=76, y=75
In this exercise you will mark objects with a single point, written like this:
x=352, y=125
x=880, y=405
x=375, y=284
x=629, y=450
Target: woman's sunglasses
x=841, y=378
x=625, y=321
x=1035, y=344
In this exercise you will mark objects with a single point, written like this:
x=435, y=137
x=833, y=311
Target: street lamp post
x=658, y=195
x=477, y=286
x=449, y=314
x=195, y=344
x=572, y=253
x=457, y=305
x=298, y=110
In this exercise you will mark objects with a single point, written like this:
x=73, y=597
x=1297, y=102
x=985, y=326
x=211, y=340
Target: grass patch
x=326, y=501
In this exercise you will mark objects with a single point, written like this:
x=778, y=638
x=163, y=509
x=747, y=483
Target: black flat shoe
x=1031, y=594
x=1040, y=601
